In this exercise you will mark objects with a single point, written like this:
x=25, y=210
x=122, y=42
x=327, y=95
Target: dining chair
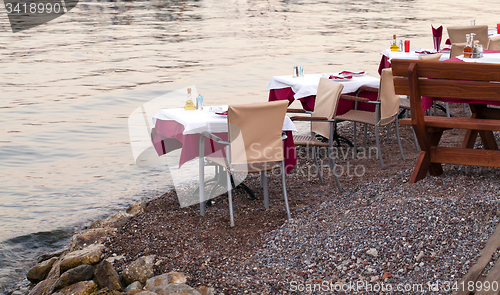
x=323, y=124
x=457, y=34
x=386, y=112
x=494, y=43
x=255, y=145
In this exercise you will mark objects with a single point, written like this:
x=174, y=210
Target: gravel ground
x=380, y=235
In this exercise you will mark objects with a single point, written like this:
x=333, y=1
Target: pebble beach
x=380, y=235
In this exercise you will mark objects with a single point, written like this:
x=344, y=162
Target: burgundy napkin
x=437, y=34
x=425, y=52
x=340, y=77
x=347, y=73
x=222, y=114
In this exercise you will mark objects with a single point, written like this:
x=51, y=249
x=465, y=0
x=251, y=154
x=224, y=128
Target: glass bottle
x=394, y=45
x=475, y=49
x=468, y=46
x=189, y=102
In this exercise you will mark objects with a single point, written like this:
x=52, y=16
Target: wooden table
x=473, y=83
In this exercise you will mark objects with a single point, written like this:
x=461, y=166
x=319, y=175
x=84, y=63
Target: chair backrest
x=435, y=56
x=255, y=132
x=494, y=43
x=327, y=98
x=457, y=34
x=389, y=101
x=457, y=49
x=468, y=81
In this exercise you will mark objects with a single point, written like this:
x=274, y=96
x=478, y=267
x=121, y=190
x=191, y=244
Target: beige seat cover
x=255, y=132
x=326, y=104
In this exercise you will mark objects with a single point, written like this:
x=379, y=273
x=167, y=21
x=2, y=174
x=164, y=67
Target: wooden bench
x=469, y=82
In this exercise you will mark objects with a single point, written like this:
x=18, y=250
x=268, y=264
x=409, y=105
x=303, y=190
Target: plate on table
x=353, y=74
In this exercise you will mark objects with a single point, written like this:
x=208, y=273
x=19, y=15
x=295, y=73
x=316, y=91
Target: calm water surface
x=68, y=87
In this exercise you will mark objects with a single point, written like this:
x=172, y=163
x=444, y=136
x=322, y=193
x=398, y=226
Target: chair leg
x=366, y=136
x=265, y=187
x=283, y=183
x=415, y=139
x=201, y=192
x=230, y=197
x=388, y=131
x=378, y=147
x=315, y=156
x=330, y=156
x=397, y=136
x=354, y=149
x=447, y=110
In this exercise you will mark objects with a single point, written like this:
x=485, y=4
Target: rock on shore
x=81, y=269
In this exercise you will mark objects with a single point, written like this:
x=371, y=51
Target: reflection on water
x=68, y=87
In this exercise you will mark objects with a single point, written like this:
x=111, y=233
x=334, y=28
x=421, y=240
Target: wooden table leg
x=436, y=169
x=487, y=137
x=424, y=164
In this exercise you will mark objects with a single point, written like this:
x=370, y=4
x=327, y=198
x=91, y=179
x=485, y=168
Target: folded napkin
x=448, y=42
x=340, y=77
x=425, y=52
x=222, y=114
x=437, y=34
x=445, y=49
x=348, y=73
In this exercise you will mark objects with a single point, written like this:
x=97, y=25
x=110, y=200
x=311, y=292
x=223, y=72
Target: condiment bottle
x=468, y=46
x=199, y=102
x=189, y=102
x=475, y=49
x=394, y=45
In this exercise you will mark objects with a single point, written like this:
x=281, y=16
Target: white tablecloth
x=410, y=55
x=197, y=121
x=487, y=58
x=308, y=85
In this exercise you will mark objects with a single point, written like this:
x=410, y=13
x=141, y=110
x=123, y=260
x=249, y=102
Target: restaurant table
x=304, y=89
x=388, y=55
x=490, y=56
x=181, y=129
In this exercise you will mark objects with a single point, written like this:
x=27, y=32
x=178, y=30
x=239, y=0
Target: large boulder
x=178, y=289
x=45, y=287
x=80, y=273
x=90, y=255
x=134, y=286
x=107, y=291
x=117, y=220
x=80, y=288
x=89, y=237
x=139, y=270
x=160, y=282
x=40, y=271
x=55, y=272
x=205, y=290
x=107, y=277
x=136, y=208
x=47, y=256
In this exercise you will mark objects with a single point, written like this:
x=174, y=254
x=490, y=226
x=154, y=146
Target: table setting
x=177, y=128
